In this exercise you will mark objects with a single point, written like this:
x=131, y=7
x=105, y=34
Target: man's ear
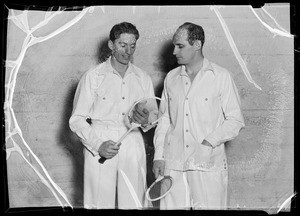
x=198, y=45
x=110, y=45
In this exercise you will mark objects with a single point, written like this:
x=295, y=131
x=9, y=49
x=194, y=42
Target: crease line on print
x=275, y=31
x=102, y=8
x=233, y=47
x=274, y=20
x=21, y=21
x=131, y=190
x=44, y=181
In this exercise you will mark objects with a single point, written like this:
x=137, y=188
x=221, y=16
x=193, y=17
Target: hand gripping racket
x=151, y=105
x=160, y=188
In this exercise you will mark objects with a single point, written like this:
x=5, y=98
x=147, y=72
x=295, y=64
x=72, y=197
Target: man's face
x=184, y=52
x=123, y=48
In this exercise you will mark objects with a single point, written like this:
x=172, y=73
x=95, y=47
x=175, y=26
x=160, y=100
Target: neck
x=195, y=66
x=120, y=68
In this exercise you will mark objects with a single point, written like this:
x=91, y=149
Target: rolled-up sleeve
x=231, y=108
x=83, y=101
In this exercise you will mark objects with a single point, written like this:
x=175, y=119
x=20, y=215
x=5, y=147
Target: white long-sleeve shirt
x=104, y=96
x=208, y=108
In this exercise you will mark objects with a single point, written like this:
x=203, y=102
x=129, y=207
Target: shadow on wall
x=73, y=146
x=164, y=62
x=103, y=51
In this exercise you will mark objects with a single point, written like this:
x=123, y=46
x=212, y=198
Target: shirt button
x=123, y=83
x=187, y=114
x=206, y=99
x=104, y=98
x=186, y=130
x=123, y=98
x=186, y=83
x=187, y=146
x=123, y=113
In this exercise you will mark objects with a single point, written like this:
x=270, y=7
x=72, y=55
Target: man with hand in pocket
x=203, y=113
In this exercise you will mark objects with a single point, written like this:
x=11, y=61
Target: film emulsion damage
x=49, y=50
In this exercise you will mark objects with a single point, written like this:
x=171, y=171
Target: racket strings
x=160, y=188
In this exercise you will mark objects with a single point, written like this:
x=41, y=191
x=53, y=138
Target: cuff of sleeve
x=95, y=148
x=214, y=142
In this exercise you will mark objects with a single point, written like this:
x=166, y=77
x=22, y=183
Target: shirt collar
x=109, y=69
x=206, y=67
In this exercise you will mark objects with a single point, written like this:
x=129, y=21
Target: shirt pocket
x=208, y=107
x=209, y=100
x=104, y=104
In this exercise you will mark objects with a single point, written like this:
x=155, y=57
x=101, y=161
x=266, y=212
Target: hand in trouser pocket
x=202, y=156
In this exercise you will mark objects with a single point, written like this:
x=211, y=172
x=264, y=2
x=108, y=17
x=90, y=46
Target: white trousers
x=197, y=190
x=119, y=182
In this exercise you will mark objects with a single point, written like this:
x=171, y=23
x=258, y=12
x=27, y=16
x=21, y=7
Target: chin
x=124, y=62
x=180, y=62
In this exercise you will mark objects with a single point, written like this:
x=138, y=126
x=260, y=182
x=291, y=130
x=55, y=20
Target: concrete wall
x=39, y=102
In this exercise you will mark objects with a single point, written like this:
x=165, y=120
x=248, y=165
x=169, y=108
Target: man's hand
x=108, y=149
x=158, y=168
x=140, y=115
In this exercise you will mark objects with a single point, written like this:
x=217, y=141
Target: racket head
x=160, y=188
x=153, y=105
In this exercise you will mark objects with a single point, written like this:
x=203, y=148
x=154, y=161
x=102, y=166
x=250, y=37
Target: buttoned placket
x=123, y=95
x=188, y=136
x=123, y=101
x=186, y=125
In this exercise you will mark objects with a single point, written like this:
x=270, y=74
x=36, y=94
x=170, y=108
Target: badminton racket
x=150, y=105
x=159, y=188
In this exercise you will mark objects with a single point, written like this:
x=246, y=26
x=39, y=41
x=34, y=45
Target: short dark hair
x=195, y=32
x=121, y=28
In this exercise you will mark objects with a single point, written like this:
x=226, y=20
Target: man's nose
x=175, y=51
x=129, y=50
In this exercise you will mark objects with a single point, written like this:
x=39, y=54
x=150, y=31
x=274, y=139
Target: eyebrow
x=178, y=43
x=126, y=43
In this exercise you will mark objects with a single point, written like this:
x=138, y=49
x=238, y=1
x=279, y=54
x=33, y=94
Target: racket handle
x=102, y=160
x=118, y=143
